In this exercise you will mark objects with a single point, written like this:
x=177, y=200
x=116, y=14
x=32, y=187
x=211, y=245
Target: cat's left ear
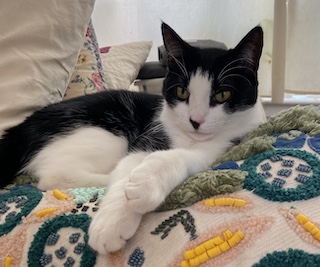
x=250, y=47
x=173, y=43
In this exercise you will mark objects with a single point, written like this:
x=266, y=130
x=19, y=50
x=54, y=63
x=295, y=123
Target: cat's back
x=120, y=112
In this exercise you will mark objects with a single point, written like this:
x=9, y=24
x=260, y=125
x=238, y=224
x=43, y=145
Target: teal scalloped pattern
x=37, y=248
x=290, y=258
x=254, y=182
x=33, y=197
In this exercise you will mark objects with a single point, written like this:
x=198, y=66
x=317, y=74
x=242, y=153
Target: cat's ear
x=173, y=43
x=250, y=47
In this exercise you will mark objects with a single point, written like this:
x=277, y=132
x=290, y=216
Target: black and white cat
x=141, y=145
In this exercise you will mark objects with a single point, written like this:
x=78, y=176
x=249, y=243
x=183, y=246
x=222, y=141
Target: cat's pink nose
x=196, y=124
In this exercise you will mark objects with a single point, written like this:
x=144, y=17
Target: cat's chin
x=198, y=136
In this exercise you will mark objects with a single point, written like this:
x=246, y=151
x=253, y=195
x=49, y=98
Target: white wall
x=227, y=21
x=120, y=21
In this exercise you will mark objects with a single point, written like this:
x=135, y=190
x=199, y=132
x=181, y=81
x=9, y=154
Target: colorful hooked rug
x=257, y=206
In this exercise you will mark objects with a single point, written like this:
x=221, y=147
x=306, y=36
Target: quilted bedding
x=256, y=206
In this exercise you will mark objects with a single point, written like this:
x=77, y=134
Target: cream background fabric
x=39, y=44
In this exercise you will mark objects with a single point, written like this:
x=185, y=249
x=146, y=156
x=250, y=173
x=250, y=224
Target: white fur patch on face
x=200, y=87
x=213, y=121
x=197, y=108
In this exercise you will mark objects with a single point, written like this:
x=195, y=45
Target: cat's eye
x=223, y=96
x=182, y=93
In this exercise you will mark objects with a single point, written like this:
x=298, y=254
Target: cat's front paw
x=104, y=235
x=111, y=227
x=145, y=191
x=142, y=194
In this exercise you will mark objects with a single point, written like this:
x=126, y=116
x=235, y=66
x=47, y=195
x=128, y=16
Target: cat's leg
x=161, y=172
x=80, y=159
x=114, y=223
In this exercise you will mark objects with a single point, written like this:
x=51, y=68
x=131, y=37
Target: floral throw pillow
x=88, y=76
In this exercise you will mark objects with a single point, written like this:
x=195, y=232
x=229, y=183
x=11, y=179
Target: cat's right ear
x=250, y=47
x=173, y=43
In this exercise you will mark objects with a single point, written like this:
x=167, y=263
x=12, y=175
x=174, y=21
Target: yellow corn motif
x=309, y=226
x=211, y=248
x=185, y=264
x=225, y=201
x=8, y=261
x=59, y=195
x=217, y=240
x=42, y=213
x=200, y=249
x=214, y=252
x=227, y=234
x=302, y=219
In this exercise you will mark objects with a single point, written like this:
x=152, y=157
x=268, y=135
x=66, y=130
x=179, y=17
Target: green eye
x=222, y=97
x=182, y=93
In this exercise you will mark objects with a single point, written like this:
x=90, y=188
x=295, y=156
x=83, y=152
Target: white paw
x=144, y=190
x=112, y=226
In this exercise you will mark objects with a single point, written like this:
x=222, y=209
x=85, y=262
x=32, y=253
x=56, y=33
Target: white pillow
x=122, y=63
x=39, y=44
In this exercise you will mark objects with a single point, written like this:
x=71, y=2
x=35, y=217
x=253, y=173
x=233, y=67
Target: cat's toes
x=104, y=234
x=109, y=231
x=130, y=225
x=143, y=193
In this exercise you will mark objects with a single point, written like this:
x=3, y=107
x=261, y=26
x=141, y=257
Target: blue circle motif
x=295, y=142
x=256, y=183
x=25, y=199
x=314, y=143
x=36, y=256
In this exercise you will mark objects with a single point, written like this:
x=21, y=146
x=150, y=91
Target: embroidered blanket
x=256, y=206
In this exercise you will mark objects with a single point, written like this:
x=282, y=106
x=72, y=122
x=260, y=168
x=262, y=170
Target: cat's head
x=204, y=87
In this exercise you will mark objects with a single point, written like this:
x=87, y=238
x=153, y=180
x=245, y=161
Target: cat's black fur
x=124, y=113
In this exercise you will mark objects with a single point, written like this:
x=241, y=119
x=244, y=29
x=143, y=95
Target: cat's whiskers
x=235, y=75
x=181, y=65
x=175, y=85
x=235, y=68
x=148, y=135
x=178, y=75
x=216, y=123
x=232, y=62
x=228, y=86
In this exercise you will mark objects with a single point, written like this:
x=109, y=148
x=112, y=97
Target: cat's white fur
x=139, y=182
x=83, y=158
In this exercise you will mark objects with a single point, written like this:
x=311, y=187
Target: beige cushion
x=39, y=44
x=121, y=63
